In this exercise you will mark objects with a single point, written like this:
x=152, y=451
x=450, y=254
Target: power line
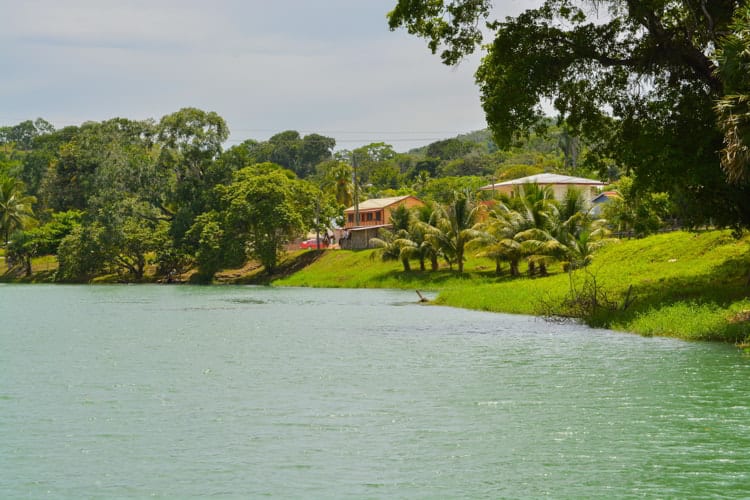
x=363, y=136
x=368, y=132
x=442, y=133
x=366, y=140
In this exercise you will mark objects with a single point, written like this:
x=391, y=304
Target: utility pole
x=317, y=223
x=356, y=189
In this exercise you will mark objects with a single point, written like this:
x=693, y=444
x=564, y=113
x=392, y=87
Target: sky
x=330, y=67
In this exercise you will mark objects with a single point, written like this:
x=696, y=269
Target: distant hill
x=481, y=137
x=546, y=143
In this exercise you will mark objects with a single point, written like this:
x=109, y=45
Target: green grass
x=687, y=285
x=43, y=269
x=363, y=269
x=694, y=321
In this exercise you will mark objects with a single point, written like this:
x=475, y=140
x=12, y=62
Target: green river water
x=246, y=392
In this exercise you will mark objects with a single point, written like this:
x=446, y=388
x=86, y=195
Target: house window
x=350, y=217
x=377, y=216
x=369, y=215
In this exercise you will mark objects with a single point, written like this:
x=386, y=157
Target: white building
x=560, y=185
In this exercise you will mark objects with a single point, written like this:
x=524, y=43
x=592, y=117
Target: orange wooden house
x=373, y=214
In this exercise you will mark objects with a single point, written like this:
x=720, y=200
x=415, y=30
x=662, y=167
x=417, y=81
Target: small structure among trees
x=559, y=184
x=363, y=221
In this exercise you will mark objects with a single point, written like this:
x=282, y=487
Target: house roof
x=546, y=179
x=377, y=203
x=367, y=228
x=606, y=195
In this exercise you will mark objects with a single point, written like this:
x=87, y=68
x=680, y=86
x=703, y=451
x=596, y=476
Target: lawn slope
x=687, y=285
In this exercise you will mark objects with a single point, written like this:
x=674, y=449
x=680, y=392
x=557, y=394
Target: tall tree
x=449, y=149
x=100, y=160
x=192, y=138
x=456, y=227
x=393, y=245
x=539, y=211
x=191, y=141
x=315, y=149
x=371, y=157
x=24, y=134
x=734, y=107
x=16, y=210
x=266, y=209
x=293, y=152
x=497, y=238
x=337, y=179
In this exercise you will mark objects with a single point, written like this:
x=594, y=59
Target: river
x=242, y=392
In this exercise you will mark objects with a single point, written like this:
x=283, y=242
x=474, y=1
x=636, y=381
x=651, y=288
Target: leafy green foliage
x=42, y=240
x=453, y=23
x=733, y=109
x=16, y=210
x=639, y=83
x=24, y=134
x=292, y=151
x=443, y=189
x=211, y=242
x=266, y=211
x=82, y=254
x=337, y=179
x=131, y=237
x=393, y=245
x=637, y=213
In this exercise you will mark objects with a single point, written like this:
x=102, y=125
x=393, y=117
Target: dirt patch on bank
x=253, y=273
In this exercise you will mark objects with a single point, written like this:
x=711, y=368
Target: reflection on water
x=114, y=391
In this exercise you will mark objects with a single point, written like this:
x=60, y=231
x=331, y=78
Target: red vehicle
x=313, y=243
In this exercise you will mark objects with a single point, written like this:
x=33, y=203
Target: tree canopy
x=139, y=198
x=639, y=78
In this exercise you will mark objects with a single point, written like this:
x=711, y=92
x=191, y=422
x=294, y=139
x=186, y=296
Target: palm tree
x=338, y=179
x=581, y=237
x=497, y=238
x=456, y=228
x=531, y=225
x=421, y=233
x=393, y=246
x=15, y=207
x=401, y=218
x=395, y=243
x=537, y=206
x=733, y=109
x=572, y=204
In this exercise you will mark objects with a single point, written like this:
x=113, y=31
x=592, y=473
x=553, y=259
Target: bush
x=82, y=254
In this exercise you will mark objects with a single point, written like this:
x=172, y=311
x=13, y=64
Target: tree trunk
x=436, y=265
x=514, y=268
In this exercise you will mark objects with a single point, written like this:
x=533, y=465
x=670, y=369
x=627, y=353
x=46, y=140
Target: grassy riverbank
x=687, y=285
